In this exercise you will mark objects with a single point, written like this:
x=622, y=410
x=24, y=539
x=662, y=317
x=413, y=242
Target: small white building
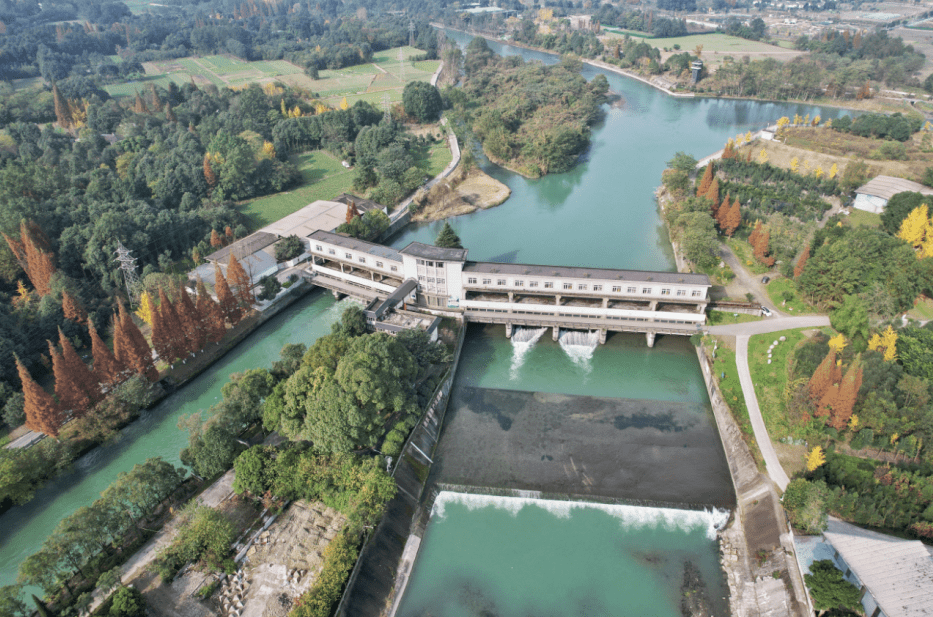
x=874, y=195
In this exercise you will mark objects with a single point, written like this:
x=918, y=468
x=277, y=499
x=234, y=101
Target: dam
x=600, y=300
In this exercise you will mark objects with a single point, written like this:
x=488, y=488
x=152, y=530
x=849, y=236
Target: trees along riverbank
x=381, y=403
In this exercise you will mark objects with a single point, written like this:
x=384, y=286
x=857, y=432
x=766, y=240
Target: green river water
x=602, y=213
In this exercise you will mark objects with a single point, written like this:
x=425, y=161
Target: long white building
x=514, y=294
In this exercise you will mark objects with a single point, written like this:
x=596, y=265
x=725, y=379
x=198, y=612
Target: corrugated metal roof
x=241, y=248
x=356, y=245
x=898, y=573
x=592, y=273
x=887, y=187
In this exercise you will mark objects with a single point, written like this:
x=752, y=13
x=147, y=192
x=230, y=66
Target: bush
x=270, y=287
x=128, y=602
x=392, y=446
x=204, y=535
x=339, y=558
x=289, y=248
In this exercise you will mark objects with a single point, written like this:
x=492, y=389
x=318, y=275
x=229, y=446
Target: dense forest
x=533, y=118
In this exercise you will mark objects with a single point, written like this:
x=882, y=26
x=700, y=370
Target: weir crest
x=630, y=517
x=579, y=345
x=523, y=339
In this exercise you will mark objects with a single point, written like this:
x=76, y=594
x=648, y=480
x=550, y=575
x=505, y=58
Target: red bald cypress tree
x=706, y=180
x=228, y=304
x=210, y=314
x=712, y=193
x=802, y=262
x=107, y=369
x=42, y=413
x=71, y=396
x=848, y=393
x=72, y=309
x=160, y=337
x=174, y=332
x=83, y=375
x=139, y=352
x=733, y=219
x=823, y=376
x=240, y=283
x=190, y=321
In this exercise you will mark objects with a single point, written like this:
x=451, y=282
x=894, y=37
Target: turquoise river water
x=602, y=213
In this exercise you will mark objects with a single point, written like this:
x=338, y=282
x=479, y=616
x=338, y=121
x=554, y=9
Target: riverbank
x=467, y=192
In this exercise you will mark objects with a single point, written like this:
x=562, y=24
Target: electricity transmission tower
x=411, y=33
x=128, y=265
x=386, y=109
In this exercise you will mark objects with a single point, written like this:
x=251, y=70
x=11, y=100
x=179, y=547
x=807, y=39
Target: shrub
x=339, y=558
x=270, y=287
x=128, y=602
x=289, y=248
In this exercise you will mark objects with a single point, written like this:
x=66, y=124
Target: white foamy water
x=523, y=339
x=630, y=517
x=579, y=345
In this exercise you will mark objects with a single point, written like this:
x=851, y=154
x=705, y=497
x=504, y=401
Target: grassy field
x=743, y=251
x=722, y=318
x=27, y=83
x=860, y=218
x=785, y=295
x=726, y=373
x=322, y=177
x=368, y=82
x=717, y=43
x=923, y=310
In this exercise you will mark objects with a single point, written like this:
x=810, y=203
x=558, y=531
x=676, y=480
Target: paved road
x=742, y=333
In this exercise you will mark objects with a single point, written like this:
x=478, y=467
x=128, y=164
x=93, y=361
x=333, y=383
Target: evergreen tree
x=228, y=304
x=42, y=414
x=822, y=377
x=210, y=314
x=154, y=96
x=140, y=354
x=706, y=181
x=175, y=333
x=190, y=321
x=83, y=375
x=802, y=262
x=70, y=395
x=448, y=238
x=72, y=308
x=240, y=283
x=106, y=367
x=170, y=113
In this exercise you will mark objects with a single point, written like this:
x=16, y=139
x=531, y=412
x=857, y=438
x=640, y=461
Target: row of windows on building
x=631, y=289
x=361, y=259
x=429, y=279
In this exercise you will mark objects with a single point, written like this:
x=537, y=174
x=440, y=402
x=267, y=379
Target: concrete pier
x=508, y=330
x=650, y=337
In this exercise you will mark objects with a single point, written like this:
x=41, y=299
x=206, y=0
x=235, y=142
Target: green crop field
x=367, y=82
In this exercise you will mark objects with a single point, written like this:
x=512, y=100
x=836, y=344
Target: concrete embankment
x=381, y=573
x=757, y=546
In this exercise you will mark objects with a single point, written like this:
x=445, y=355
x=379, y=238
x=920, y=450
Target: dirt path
x=745, y=281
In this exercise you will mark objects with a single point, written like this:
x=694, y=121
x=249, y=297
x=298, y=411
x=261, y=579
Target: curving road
x=742, y=332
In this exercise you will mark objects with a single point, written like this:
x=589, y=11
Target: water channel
x=602, y=213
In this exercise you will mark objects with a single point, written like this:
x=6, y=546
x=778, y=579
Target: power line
x=128, y=265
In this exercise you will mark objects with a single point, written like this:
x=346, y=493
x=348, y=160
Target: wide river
x=602, y=213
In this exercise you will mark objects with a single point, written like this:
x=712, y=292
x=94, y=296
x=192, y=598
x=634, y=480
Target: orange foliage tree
x=42, y=413
x=106, y=367
x=802, y=261
x=210, y=314
x=72, y=309
x=228, y=304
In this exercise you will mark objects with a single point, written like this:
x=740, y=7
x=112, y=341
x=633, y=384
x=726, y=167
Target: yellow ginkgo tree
x=146, y=307
x=838, y=343
x=815, y=459
x=914, y=226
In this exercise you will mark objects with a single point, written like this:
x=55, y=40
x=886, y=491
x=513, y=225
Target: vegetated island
x=530, y=118
x=466, y=190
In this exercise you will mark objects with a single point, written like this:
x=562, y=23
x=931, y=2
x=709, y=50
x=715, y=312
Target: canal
x=602, y=213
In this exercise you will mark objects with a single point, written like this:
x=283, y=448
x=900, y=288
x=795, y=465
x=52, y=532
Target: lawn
x=720, y=43
x=743, y=251
x=923, y=309
x=785, y=295
x=432, y=158
x=770, y=379
x=860, y=218
x=722, y=318
x=727, y=375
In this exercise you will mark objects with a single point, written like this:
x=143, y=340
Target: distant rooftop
x=321, y=214
x=428, y=251
x=363, y=205
x=485, y=267
x=241, y=248
x=887, y=187
x=898, y=573
x=356, y=245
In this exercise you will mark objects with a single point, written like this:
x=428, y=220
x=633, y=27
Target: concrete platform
x=605, y=449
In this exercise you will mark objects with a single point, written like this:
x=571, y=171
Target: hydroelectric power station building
x=443, y=280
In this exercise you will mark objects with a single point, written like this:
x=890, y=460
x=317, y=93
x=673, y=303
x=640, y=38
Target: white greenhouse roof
x=898, y=573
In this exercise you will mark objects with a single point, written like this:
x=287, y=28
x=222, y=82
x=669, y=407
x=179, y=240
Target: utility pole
x=128, y=265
